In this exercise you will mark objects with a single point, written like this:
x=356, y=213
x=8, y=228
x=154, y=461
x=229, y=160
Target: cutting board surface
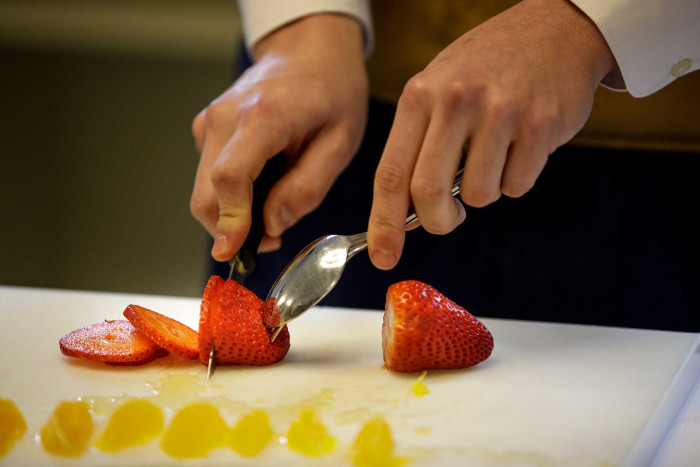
x=550, y=394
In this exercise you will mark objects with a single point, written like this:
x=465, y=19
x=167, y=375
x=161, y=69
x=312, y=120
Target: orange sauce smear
x=309, y=436
x=195, y=430
x=374, y=446
x=68, y=431
x=12, y=425
x=134, y=423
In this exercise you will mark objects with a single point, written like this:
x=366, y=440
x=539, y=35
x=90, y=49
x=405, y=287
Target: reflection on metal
x=333, y=259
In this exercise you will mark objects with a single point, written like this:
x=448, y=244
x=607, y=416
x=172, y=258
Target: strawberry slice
x=425, y=330
x=166, y=332
x=236, y=327
x=210, y=302
x=112, y=342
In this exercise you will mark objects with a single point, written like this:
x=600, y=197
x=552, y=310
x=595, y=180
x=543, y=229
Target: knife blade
x=244, y=261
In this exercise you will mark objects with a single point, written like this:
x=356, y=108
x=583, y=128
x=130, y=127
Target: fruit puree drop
x=132, y=424
x=68, y=430
x=374, y=446
x=194, y=431
x=12, y=425
x=309, y=436
x=419, y=388
x=251, y=434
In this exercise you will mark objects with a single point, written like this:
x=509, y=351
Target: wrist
x=315, y=34
x=582, y=33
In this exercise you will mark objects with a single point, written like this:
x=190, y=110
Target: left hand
x=506, y=94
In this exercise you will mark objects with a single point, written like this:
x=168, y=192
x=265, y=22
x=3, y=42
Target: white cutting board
x=550, y=394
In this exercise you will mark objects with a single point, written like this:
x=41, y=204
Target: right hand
x=306, y=96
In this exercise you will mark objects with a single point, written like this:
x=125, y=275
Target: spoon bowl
x=317, y=268
x=313, y=273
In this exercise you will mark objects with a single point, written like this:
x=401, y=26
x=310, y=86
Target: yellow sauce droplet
x=420, y=389
x=194, y=431
x=68, y=430
x=375, y=447
x=309, y=436
x=12, y=425
x=251, y=434
x=132, y=424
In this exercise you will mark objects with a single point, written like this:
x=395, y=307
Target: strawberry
x=271, y=313
x=210, y=302
x=425, y=330
x=111, y=342
x=236, y=327
x=166, y=332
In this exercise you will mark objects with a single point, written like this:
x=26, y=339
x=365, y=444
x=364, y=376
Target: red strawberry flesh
x=113, y=342
x=238, y=332
x=425, y=330
x=172, y=335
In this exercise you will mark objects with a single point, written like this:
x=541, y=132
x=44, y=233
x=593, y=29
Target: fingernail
x=384, y=258
x=281, y=221
x=220, y=245
x=462, y=212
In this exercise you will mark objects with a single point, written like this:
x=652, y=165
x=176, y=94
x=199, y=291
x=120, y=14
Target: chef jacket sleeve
x=261, y=17
x=653, y=41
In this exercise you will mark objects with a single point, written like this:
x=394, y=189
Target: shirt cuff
x=261, y=17
x=653, y=41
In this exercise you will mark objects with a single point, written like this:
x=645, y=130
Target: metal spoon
x=317, y=268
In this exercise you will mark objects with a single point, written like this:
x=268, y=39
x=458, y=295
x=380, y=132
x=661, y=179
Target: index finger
x=387, y=220
x=232, y=175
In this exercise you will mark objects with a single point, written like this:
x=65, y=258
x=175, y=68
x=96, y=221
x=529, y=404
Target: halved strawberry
x=237, y=329
x=113, y=342
x=210, y=302
x=166, y=332
x=425, y=330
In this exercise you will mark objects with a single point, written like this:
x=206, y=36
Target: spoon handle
x=358, y=242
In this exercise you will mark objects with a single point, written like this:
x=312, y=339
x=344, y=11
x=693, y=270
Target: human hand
x=506, y=94
x=305, y=96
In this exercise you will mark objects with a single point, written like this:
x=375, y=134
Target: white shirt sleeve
x=653, y=41
x=261, y=17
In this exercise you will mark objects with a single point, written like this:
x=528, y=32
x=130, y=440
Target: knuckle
x=259, y=108
x=499, y=106
x=219, y=116
x=458, y=95
x=309, y=194
x=200, y=208
x=198, y=126
x=389, y=180
x=386, y=228
x=478, y=197
x=516, y=188
x=345, y=145
x=427, y=192
x=416, y=90
x=223, y=175
x=438, y=226
x=539, y=121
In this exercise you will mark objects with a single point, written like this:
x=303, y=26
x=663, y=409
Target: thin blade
x=211, y=367
x=278, y=329
x=243, y=264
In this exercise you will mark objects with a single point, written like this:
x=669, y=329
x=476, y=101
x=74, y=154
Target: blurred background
x=97, y=100
x=97, y=155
